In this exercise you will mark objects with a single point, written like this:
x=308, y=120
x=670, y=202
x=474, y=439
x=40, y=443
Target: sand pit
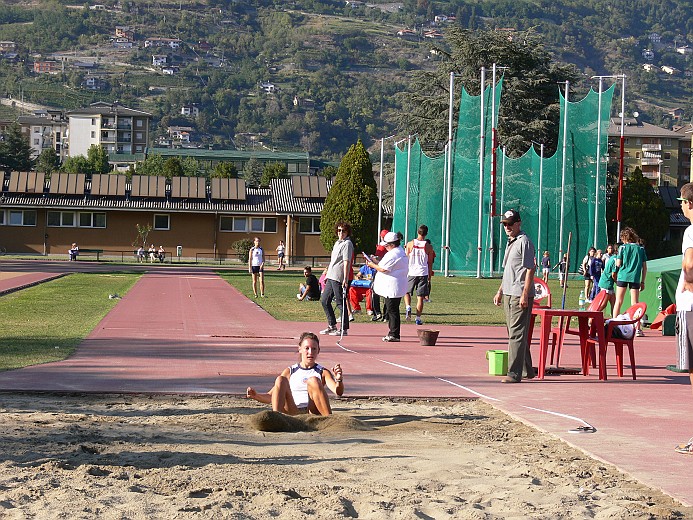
x=137, y=457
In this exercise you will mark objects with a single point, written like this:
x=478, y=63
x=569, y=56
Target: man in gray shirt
x=337, y=280
x=516, y=294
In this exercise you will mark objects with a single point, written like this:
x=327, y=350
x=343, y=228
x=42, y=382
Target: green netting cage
x=559, y=196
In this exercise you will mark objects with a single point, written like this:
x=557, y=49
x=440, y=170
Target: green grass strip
x=454, y=300
x=46, y=322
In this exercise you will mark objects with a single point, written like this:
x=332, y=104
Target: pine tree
x=252, y=172
x=15, y=151
x=352, y=198
x=48, y=161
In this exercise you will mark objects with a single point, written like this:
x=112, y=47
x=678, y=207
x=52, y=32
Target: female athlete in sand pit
x=300, y=388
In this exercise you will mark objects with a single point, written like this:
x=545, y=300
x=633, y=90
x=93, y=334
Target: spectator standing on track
x=585, y=270
x=631, y=262
x=684, y=299
x=596, y=268
x=516, y=294
x=256, y=266
x=338, y=274
x=420, y=254
x=391, y=282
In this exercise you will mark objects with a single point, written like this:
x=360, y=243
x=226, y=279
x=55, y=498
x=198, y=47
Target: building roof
x=635, y=128
x=261, y=155
x=107, y=109
x=277, y=199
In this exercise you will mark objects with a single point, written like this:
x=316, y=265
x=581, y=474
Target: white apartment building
x=119, y=130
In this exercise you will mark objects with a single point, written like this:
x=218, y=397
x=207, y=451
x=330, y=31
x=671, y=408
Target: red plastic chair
x=541, y=291
x=636, y=312
x=599, y=303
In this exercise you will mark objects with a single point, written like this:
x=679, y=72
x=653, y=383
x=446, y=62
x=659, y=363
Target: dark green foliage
x=76, y=164
x=273, y=171
x=242, y=248
x=354, y=199
x=15, y=151
x=98, y=159
x=224, y=170
x=48, y=161
x=173, y=168
x=643, y=210
x=529, y=108
x=252, y=172
x=152, y=165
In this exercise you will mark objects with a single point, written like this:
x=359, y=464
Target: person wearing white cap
x=516, y=294
x=391, y=282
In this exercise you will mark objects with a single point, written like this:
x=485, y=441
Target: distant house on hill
x=174, y=43
x=190, y=110
x=649, y=67
x=123, y=31
x=159, y=60
x=670, y=70
x=46, y=67
x=268, y=87
x=685, y=50
x=648, y=54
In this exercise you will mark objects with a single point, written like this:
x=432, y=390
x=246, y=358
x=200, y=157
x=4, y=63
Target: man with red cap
x=516, y=294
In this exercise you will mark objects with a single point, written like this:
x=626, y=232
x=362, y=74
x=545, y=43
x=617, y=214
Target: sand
x=168, y=457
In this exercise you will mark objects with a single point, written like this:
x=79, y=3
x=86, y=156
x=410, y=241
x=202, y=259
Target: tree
x=191, y=167
x=173, y=168
x=252, y=172
x=98, y=159
x=643, y=210
x=273, y=171
x=529, y=108
x=48, y=161
x=15, y=151
x=224, y=170
x=329, y=172
x=76, y=164
x=152, y=165
x=142, y=234
x=353, y=198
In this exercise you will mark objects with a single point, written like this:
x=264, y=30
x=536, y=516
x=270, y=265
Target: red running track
x=187, y=331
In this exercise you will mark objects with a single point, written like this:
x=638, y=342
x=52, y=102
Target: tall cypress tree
x=352, y=198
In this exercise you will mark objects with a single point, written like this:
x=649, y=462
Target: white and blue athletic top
x=298, y=382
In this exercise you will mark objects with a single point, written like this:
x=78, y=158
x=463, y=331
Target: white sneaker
x=328, y=330
x=407, y=314
x=369, y=312
x=337, y=332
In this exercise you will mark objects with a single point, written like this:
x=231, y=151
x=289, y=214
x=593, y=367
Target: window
x=309, y=225
x=138, y=148
x=22, y=217
x=61, y=219
x=667, y=155
x=93, y=134
x=292, y=168
x=237, y=224
x=37, y=129
x=139, y=123
x=263, y=225
x=637, y=155
x=36, y=142
x=139, y=136
x=2, y=218
x=161, y=222
x=93, y=121
x=93, y=220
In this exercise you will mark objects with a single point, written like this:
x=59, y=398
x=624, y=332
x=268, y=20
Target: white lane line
x=483, y=396
x=468, y=389
x=400, y=366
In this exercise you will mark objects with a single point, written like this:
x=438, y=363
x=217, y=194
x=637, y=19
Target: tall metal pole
x=449, y=183
x=598, y=163
x=619, y=206
x=380, y=191
x=406, y=208
x=380, y=187
x=482, y=140
x=541, y=192
x=494, y=144
x=502, y=199
x=565, y=155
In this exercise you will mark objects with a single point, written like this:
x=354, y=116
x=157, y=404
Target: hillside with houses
x=310, y=76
